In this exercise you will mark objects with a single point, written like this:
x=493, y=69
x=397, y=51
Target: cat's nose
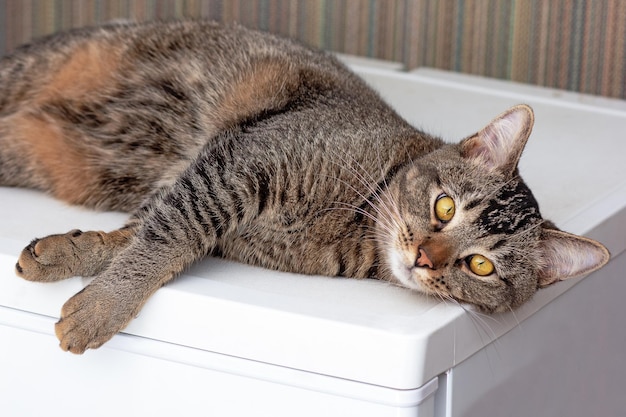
x=423, y=261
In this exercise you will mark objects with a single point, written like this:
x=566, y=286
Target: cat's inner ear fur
x=499, y=145
x=565, y=255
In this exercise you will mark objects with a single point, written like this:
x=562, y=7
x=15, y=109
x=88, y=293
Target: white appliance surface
x=378, y=335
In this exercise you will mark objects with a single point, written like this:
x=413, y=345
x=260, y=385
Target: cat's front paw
x=89, y=319
x=57, y=257
x=47, y=259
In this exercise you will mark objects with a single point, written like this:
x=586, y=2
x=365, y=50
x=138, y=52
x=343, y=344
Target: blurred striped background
x=577, y=45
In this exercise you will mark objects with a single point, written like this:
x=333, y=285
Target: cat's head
x=460, y=223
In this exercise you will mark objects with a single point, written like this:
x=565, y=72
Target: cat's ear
x=499, y=145
x=566, y=255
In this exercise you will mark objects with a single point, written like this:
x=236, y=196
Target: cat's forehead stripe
x=512, y=209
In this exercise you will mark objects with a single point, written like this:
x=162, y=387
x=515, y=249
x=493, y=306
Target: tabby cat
x=225, y=141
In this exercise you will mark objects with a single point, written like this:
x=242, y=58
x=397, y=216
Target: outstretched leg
x=175, y=228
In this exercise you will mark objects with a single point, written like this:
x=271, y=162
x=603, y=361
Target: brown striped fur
x=220, y=140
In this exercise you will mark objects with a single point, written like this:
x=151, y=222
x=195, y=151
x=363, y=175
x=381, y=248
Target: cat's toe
x=31, y=247
x=77, y=336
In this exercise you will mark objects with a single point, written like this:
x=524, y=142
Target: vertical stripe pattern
x=577, y=45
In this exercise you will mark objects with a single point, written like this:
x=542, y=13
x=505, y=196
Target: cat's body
x=227, y=141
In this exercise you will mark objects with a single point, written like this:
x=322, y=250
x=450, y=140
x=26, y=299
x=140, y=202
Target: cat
x=223, y=141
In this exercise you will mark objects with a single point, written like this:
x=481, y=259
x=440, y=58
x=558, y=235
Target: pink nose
x=423, y=260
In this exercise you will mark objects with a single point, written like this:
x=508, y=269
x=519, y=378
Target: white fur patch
x=403, y=273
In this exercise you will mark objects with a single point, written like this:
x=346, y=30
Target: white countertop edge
x=234, y=365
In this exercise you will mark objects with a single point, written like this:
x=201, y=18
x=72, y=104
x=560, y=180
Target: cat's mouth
x=412, y=272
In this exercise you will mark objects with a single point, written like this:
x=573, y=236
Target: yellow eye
x=480, y=265
x=444, y=208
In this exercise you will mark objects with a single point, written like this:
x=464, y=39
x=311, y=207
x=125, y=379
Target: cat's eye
x=444, y=208
x=480, y=265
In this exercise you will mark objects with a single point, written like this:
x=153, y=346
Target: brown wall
x=577, y=45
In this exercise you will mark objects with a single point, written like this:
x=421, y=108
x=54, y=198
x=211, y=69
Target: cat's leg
x=75, y=253
x=177, y=227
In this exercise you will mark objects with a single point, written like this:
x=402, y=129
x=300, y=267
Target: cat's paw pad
x=55, y=257
x=88, y=320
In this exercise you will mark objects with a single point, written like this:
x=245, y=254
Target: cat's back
x=138, y=101
x=227, y=73
x=215, y=52
x=160, y=40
